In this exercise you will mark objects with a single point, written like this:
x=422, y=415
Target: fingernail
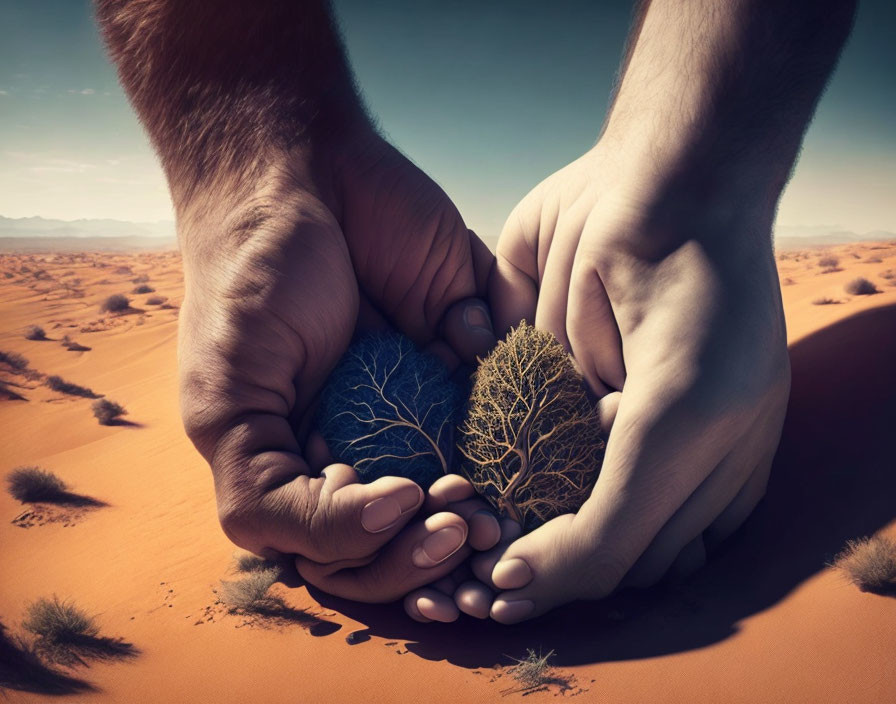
x=511, y=574
x=409, y=497
x=476, y=317
x=484, y=526
x=439, y=546
x=511, y=611
x=380, y=514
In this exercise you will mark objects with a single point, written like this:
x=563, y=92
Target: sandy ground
x=765, y=621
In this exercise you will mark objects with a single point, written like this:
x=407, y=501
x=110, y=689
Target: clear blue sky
x=488, y=98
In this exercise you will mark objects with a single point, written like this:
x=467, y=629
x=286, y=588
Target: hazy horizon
x=463, y=109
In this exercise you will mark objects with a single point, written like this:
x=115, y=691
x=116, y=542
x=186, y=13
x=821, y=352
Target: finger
x=691, y=558
x=513, y=284
x=591, y=326
x=474, y=599
x=455, y=493
x=740, y=508
x=703, y=505
x=446, y=490
x=553, y=291
x=428, y=604
x=467, y=328
x=485, y=532
x=483, y=563
x=607, y=407
x=539, y=571
x=631, y=501
x=421, y=554
x=317, y=453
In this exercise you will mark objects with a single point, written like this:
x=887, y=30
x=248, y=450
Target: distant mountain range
x=45, y=227
x=43, y=234
x=799, y=236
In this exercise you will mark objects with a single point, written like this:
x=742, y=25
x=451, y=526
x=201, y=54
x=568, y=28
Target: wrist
x=682, y=179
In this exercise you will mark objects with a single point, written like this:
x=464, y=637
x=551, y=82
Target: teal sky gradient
x=488, y=98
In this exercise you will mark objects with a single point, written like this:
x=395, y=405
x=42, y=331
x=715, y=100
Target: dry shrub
x=35, y=332
x=788, y=282
x=143, y=288
x=57, y=383
x=142, y=279
x=861, y=287
x=58, y=621
x=873, y=260
x=73, y=346
x=13, y=360
x=156, y=300
x=870, y=564
x=889, y=274
x=116, y=303
x=824, y=301
x=250, y=593
x=33, y=484
x=67, y=635
x=828, y=262
x=107, y=412
x=247, y=562
x=533, y=670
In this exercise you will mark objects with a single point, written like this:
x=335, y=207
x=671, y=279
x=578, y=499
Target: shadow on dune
x=81, y=650
x=121, y=422
x=833, y=479
x=69, y=498
x=276, y=612
x=23, y=671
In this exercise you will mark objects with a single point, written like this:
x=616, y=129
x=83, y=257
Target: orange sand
x=765, y=621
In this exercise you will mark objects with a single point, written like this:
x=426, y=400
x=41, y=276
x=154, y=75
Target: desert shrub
x=828, y=262
x=155, y=300
x=107, y=412
x=32, y=484
x=58, y=621
x=35, y=332
x=889, y=274
x=870, y=564
x=13, y=360
x=115, y=303
x=123, y=270
x=824, y=301
x=57, y=383
x=533, y=670
x=247, y=562
x=143, y=288
x=251, y=592
x=788, y=282
x=73, y=346
x=873, y=260
x=142, y=279
x=861, y=287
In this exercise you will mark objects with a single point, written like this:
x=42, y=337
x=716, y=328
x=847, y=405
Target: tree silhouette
x=530, y=441
x=389, y=409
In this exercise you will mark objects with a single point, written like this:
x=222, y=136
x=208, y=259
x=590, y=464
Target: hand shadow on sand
x=832, y=480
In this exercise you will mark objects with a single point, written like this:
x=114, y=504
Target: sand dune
x=764, y=621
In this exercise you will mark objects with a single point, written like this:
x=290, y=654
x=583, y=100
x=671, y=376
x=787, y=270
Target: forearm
x=227, y=88
x=723, y=90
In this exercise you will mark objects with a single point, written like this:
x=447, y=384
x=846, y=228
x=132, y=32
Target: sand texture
x=765, y=621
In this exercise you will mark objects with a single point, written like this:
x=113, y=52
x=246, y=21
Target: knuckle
x=239, y=524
